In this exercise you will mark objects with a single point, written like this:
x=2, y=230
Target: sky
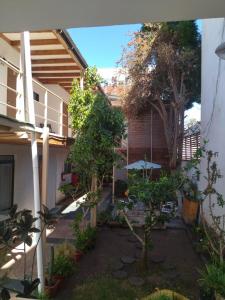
x=103, y=46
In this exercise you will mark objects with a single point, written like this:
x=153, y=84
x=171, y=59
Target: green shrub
x=84, y=239
x=62, y=266
x=213, y=278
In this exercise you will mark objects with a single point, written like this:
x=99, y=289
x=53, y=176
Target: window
x=36, y=96
x=6, y=181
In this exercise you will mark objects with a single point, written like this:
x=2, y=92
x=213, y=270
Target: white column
x=27, y=76
x=61, y=119
x=37, y=208
x=29, y=102
x=45, y=159
x=46, y=109
x=82, y=80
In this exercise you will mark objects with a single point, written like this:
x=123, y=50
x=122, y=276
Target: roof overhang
x=55, y=57
x=47, y=14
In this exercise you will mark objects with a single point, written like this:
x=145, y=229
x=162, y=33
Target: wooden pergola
x=55, y=58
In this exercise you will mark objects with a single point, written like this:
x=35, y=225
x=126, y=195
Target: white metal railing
x=48, y=110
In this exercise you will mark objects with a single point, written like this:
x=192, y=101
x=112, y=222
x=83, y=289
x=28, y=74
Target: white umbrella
x=142, y=165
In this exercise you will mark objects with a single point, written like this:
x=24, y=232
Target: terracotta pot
x=77, y=256
x=190, y=211
x=52, y=290
x=219, y=297
x=59, y=278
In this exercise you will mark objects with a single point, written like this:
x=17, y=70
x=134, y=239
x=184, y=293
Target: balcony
x=50, y=107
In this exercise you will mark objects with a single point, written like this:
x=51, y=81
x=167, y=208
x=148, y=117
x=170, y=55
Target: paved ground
x=178, y=268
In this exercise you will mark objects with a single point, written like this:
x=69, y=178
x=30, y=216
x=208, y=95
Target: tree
x=98, y=127
x=152, y=195
x=163, y=61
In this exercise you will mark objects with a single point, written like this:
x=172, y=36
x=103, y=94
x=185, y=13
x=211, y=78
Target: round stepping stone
x=117, y=266
x=136, y=281
x=172, y=275
x=169, y=267
x=157, y=259
x=127, y=259
x=138, y=246
x=154, y=280
x=120, y=274
x=138, y=254
x=132, y=239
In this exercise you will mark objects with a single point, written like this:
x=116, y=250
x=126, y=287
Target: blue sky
x=102, y=46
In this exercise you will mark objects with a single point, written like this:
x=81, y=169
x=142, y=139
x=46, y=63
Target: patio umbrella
x=142, y=165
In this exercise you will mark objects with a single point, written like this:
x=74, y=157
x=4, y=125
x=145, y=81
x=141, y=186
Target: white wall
x=23, y=177
x=213, y=101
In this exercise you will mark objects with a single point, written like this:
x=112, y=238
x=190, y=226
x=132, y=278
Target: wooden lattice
x=190, y=145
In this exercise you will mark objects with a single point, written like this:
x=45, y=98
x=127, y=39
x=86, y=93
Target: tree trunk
x=94, y=208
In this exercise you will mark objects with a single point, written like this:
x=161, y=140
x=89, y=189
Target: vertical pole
x=37, y=208
x=46, y=109
x=82, y=80
x=27, y=76
x=28, y=96
x=45, y=158
x=61, y=118
x=113, y=183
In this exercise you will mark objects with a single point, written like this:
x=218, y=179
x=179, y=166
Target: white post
x=28, y=95
x=61, y=118
x=27, y=76
x=20, y=114
x=82, y=80
x=46, y=109
x=45, y=157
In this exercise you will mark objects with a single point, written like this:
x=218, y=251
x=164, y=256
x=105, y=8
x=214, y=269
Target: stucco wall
x=23, y=178
x=213, y=101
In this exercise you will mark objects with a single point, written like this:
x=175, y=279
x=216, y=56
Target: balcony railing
x=50, y=109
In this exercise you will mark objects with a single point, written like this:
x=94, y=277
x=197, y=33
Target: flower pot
x=218, y=296
x=60, y=279
x=190, y=211
x=75, y=179
x=77, y=256
x=51, y=290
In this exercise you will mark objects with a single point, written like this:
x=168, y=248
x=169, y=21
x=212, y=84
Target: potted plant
x=165, y=295
x=20, y=229
x=62, y=268
x=84, y=237
x=191, y=202
x=51, y=284
x=66, y=249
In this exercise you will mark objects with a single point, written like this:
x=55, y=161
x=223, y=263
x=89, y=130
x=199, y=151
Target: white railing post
x=61, y=118
x=20, y=113
x=46, y=109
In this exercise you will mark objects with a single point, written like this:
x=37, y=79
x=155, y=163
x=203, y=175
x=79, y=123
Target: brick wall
x=139, y=140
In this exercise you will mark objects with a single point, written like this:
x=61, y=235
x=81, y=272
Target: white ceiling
x=19, y=15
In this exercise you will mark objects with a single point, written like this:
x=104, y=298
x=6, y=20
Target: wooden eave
x=54, y=61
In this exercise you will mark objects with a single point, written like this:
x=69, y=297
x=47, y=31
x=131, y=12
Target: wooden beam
x=56, y=68
x=49, y=52
x=66, y=75
x=55, y=80
x=38, y=42
x=52, y=61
